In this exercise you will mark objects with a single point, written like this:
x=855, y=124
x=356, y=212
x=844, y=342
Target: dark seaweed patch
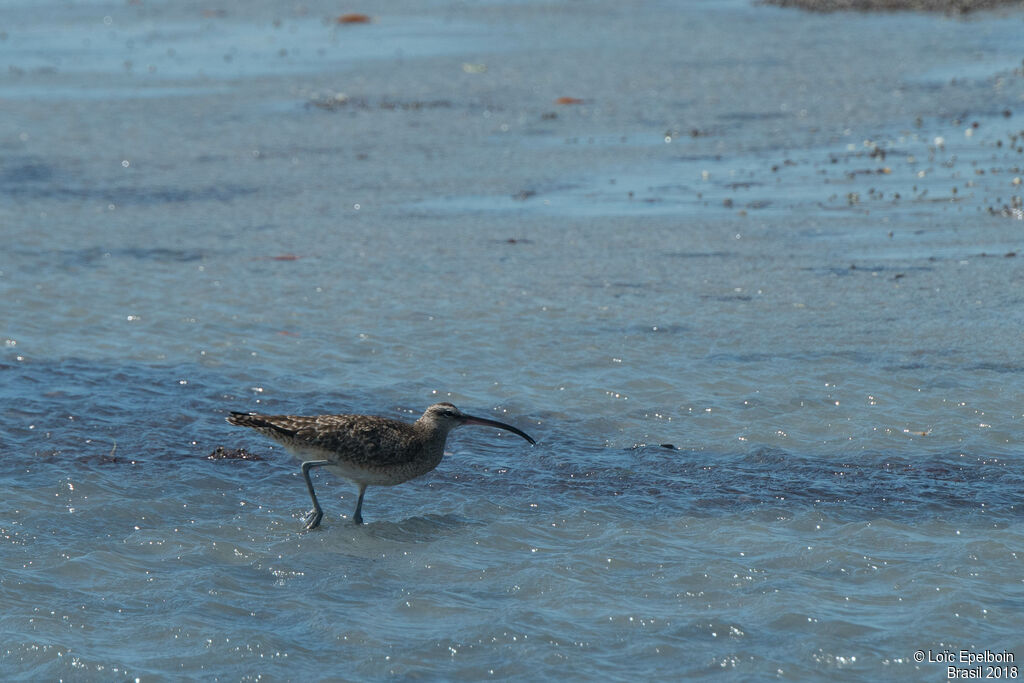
x=221, y=453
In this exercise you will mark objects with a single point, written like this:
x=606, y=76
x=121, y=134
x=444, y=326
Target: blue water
x=757, y=296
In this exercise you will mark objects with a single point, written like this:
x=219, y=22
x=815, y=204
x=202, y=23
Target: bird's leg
x=316, y=514
x=358, y=517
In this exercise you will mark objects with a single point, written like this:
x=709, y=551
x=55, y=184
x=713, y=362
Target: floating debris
x=947, y=6
x=353, y=18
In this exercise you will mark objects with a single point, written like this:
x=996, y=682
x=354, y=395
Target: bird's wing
x=365, y=439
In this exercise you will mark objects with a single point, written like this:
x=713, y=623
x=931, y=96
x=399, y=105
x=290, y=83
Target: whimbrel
x=365, y=449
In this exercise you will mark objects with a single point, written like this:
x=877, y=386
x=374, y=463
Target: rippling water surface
x=755, y=289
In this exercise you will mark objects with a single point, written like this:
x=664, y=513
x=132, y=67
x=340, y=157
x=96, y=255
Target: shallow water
x=756, y=295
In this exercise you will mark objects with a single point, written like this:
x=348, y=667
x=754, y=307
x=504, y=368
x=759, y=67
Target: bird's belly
x=365, y=473
x=371, y=476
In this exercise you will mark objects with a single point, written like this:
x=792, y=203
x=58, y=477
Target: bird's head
x=447, y=417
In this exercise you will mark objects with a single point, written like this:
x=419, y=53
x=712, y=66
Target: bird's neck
x=433, y=440
x=436, y=434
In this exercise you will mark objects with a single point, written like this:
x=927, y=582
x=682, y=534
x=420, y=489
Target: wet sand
x=782, y=242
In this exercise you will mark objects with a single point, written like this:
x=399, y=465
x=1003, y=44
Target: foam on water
x=776, y=404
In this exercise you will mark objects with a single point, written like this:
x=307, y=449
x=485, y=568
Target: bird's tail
x=245, y=419
x=265, y=424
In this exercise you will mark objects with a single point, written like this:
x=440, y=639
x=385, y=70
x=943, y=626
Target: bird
x=367, y=450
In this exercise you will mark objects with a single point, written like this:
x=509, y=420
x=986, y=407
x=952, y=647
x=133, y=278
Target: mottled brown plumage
x=365, y=449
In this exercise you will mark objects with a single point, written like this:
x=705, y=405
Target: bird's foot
x=357, y=519
x=313, y=518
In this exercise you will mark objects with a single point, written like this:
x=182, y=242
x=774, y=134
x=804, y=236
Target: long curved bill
x=471, y=420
